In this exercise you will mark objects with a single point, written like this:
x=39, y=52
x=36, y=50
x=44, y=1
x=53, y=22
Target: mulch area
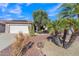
x=34, y=51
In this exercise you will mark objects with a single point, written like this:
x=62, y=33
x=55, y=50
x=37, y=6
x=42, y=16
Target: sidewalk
x=6, y=40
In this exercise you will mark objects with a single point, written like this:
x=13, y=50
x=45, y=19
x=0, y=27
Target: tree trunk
x=64, y=37
x=56, y=32
x=78, y=16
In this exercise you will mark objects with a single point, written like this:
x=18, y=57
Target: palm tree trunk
x=78, y=16
x=56, y=32
x=64, y=37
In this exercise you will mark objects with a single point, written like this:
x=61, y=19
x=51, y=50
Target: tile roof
x=15, y=22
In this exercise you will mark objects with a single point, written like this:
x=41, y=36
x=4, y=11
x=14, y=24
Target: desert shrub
x=32, y=33
x=17, y=45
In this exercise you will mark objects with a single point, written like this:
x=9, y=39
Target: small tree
x=40, y=18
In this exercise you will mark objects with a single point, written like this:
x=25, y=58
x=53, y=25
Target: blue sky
x=23, y=11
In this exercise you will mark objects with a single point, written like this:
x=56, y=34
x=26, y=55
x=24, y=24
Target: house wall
x=7, y=27
x=15, y=28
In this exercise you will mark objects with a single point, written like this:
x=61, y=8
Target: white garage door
x=17, y=29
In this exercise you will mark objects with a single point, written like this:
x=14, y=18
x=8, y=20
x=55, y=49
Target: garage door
x=17, y=29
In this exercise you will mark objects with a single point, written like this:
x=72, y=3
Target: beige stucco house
x=15, y=26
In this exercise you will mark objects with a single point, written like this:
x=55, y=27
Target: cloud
x=24, y=17
x=7, y=15
x=9, y=18
x=54, y=9
x=3, y=9
x=52, y=14
x=7, y=12
x=21, y=16
x=3, y=6
x=27, y=18
x=28, y=4
x=16, y=10
x=6, y=18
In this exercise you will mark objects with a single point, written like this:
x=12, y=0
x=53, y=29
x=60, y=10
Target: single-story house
x=15, y=26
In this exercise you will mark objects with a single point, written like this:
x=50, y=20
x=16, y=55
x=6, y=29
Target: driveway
x=6, y=40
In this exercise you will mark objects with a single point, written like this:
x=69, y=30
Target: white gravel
x=51, y=49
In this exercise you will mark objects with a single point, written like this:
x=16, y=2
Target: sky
x=24, y=11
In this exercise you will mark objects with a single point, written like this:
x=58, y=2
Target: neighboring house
x=15, y=26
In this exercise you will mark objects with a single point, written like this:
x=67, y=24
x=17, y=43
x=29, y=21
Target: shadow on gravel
x=57, y=41
x=26, y=48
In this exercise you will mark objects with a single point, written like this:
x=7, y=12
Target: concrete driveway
x=6, y=40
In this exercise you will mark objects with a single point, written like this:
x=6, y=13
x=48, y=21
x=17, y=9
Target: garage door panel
x=17, y=29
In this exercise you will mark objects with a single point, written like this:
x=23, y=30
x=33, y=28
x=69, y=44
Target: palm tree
x=70, y=10
x=76, y=9
x=72, y=39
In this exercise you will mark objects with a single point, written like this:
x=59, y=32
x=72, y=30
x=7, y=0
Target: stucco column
x=7, y=28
